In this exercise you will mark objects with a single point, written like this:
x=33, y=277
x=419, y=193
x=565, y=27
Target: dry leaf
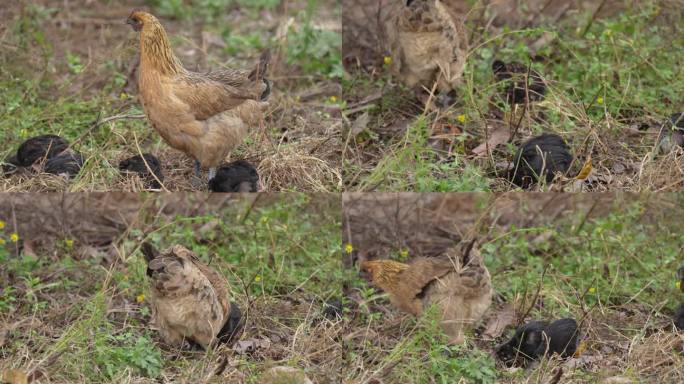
x=586, y=170
x=580, y=349
x=499, y=135
x=497, y=324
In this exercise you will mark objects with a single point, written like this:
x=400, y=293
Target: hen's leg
x=197, y=181
x=197, y=169
x=212, y=173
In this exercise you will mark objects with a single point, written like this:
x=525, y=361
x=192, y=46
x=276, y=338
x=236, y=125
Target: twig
x=149, y=169
x=99, y=122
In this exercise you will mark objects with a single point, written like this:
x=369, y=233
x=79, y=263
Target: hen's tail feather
x=262, y=67
x=466, y=251
x=258, y=73
x=232, y=326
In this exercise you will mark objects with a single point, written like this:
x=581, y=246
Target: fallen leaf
x=499, y=135
x=497, y=324
x=580, y=348
x=586, y=170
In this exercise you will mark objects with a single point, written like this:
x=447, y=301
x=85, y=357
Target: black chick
x=40, y=147
x=512, y=78
x=233, y=325
x=238, y=176
x=672, y=133
x=541, y=156
x=539, y=338
x=67, y=163
x=680, y=277
x=333, y=309
x=136, y=164
x=679, y=318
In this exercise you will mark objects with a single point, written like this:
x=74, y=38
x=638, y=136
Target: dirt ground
x=81, y=56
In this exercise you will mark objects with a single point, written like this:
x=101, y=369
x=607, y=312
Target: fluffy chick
x=428, y=44
x=539, y=338
x=459, y=283
x=679, y=318
x=190, y=300
x=39, y=148
x=205, y=115
x=517, y=84
x=540, y=157
x=238, y=176
x=672, y=133
x=146, y=166
x=67, y=163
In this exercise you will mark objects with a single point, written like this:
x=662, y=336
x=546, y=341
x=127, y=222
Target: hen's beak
x=137, y=26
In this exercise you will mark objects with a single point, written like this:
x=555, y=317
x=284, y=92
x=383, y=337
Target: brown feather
x=205, y=115
x=458, y=282
x=428, y=44
x=190, y=300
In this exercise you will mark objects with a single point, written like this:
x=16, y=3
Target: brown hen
x=205, y=115
x=428, y=44
x=459, y=283
x=190, y=301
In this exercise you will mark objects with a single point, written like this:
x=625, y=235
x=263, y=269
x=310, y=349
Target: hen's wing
x=415, y=279
x=211, y=93
x=208, y=94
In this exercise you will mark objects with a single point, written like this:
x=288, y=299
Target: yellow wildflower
x=14, y=237
x=333, y=99
x=387, y=60
x=2, y=241
x=403, y=253
x=677, y=284
x=348, y=248
x=257, y=278
x=69, y=243
x=140, y=298
x=2, y=224
x=461, y=119
x=599, y=100
x=592, y=290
